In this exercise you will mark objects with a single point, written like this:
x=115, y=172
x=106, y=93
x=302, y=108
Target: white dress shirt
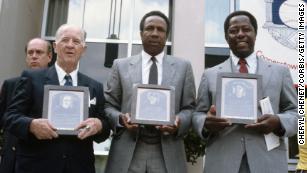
x=61, y=74
x=146, y=64
x=251, y=62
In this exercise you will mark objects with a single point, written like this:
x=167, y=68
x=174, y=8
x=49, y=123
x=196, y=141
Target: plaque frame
x=152, y=95
x=238, y=89
x=54, y=96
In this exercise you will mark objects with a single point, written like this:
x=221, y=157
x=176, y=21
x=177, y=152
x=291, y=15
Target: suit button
x=14, y=148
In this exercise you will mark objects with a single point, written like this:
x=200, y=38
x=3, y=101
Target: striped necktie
x=68, y=80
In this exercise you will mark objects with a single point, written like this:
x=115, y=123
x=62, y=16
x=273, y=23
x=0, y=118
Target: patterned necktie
x=243, y=67
x=68, y=80
x=153, y=73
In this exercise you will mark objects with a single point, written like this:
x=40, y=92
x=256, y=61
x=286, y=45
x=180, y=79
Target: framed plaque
x=237, y=97
x=65, y=107
x=153, y=104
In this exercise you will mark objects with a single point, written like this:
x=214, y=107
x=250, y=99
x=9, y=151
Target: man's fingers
x=52, y=130
x=82, y=134
x=168, y=129
x=42, y=129
x=81, y=125
x=212, y=110
x=177, y=122
x=89, y=127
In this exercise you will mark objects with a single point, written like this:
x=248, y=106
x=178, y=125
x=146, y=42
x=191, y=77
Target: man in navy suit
x=41, y=149
x=38, y=55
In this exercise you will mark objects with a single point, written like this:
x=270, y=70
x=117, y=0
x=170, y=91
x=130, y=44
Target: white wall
x=20, y=20
x=188, y=34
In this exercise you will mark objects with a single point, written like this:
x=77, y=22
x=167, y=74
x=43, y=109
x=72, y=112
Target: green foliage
x=194, y=146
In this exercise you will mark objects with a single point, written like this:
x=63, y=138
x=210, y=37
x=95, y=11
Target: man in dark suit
x=149, y=149
x=38, y=55
x=40, y=148
x=239, y=148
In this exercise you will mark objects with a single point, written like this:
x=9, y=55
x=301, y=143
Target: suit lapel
x=82, y=80
x=226, y=66
x=264, y=69
x=135, y=69
x=168, y=66
x=51, y=77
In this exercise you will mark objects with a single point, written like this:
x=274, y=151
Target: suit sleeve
x=187, y=104
x=17, y=122
x=202, y=107
x=288, y=105
x=100, y=114
x=113, y=95
x=2, y=104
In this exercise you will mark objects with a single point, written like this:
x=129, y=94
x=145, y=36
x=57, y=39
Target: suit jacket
x=125, y=73
x=225, y=149
x=7, y=152
x=64, y=154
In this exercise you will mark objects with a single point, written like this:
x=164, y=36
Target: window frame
x=130, y=41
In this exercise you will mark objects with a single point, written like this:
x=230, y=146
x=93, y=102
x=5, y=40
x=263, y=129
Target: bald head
x=61, y=30
x=69, y=45
x=38, y=53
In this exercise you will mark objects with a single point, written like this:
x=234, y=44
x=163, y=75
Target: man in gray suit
x=149, y=149
x=235, y=148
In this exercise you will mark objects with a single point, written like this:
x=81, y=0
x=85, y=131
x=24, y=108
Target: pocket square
x=93, y=101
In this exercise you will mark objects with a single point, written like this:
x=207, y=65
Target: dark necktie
x=68, y=80
x=243, y=67
x=153, y=73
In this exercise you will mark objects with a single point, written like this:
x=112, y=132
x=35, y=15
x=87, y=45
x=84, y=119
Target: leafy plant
x=194, y=146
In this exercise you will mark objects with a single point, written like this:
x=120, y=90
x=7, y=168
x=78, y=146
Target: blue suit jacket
x=64, y=154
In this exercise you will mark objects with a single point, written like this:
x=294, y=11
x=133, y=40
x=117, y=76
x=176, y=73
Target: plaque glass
x=65, y=107
x=153, y=104
x=238, y=96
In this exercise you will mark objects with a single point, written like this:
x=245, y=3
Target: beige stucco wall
x=20, y=20
x=188, y=34
x=188, y=42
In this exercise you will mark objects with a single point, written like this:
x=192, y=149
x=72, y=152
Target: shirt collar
x=251, y=59
x=61, y=74
x=147, y=58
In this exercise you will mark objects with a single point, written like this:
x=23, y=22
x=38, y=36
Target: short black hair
x=156, y=13
x=238, y=13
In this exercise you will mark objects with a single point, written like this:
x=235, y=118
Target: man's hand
x=124, y=120
x=42, y=129
x=170, y=129
x=266, y=123
x=213, y=123
x=89, y=127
